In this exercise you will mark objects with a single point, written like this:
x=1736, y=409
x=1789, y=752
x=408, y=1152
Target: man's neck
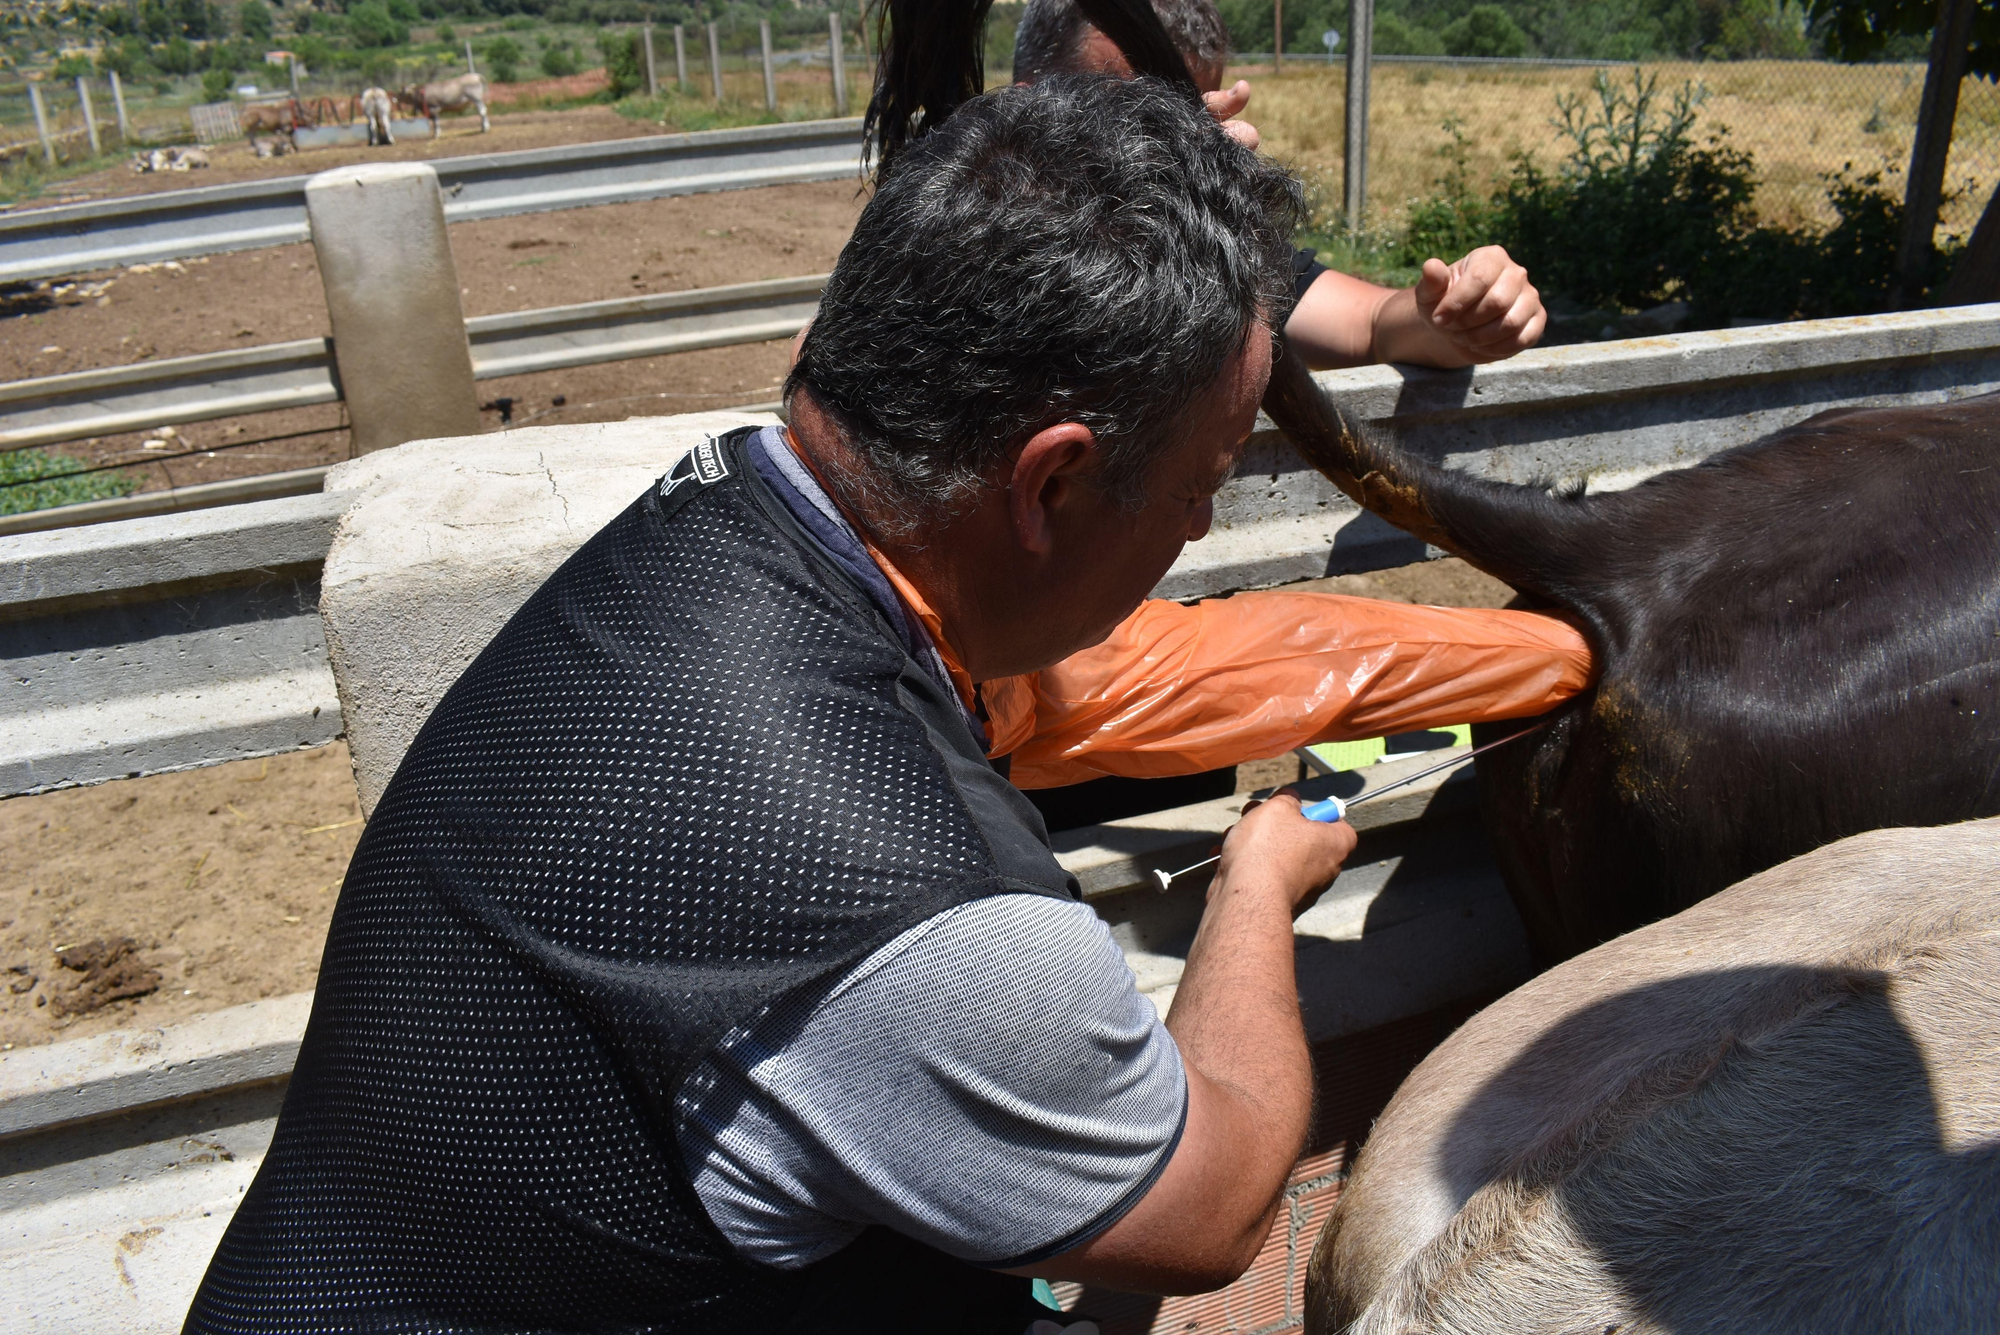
x=944, y=574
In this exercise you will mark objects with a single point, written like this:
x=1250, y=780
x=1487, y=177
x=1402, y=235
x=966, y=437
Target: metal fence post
x=715, y=60
x=1360, y=50
x=41, y=122
x=392, y=297
x=680, y=57
x=652, y=70
x=1936, y=114
x=770, y=80
x=89, y=115
x=839, y=54
x=118, y=101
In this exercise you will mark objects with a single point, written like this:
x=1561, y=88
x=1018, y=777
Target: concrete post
x=89, y=115
x=652, y=71
x=680, y=57
x=41, y=122
x=770, y=79
x=839, y=53
x=392, y=296
x=118, y=101
x=470, y=68
x=715, y=61
x=292, y=64
x=1360, y=53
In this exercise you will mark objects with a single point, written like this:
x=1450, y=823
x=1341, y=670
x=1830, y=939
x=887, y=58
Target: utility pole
x=839, y=54
x=715, y=60
x=770, y=79
x=1360, y=52
x=652, y=73
x=1950, y=40
x=680, y=57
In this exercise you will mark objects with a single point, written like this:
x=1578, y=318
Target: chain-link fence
x=1800, y=122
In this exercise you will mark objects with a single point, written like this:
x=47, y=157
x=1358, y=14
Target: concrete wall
x=442, y=541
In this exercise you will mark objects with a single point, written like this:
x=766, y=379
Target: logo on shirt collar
x=703, y=465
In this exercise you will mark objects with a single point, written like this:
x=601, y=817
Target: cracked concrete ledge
x=444, y=539
x=62, y=1084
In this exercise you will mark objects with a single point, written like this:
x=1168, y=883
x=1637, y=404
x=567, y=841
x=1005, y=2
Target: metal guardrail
x=78, y=404
x=112, y=233
x=179, y=665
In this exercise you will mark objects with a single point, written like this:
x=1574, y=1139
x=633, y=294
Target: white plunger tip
x=1165, y=879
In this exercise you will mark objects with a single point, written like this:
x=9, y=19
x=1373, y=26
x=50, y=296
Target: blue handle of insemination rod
x=1326, y=811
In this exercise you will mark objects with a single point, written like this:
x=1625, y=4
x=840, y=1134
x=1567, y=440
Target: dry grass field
x=1799, y=119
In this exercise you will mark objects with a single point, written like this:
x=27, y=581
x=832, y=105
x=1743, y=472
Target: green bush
x=72, y=67
x=504, y=55
x=1486, y=30
x=1639, y=213
x=215, y=84
x=371, y=24
x=1396, y=37
x=176, y=55
x=41, y=480
x=624, y=62
x=405, y=11
x=446, y=33
x=558, y=60
x=253, y=20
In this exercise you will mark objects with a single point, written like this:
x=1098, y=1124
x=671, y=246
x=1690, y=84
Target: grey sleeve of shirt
x=991, y=1083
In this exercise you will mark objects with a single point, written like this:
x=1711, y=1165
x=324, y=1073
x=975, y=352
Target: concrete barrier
x=442, y=540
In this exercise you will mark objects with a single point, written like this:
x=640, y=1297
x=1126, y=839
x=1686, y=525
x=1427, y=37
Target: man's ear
x=1049, y=475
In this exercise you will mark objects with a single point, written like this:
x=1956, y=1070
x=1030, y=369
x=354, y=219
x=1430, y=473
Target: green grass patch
x=29, y=176
x=39, y=480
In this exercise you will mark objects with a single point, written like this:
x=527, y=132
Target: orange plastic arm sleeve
x=1177, y=690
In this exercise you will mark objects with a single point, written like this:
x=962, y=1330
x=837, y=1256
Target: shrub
x=253, y=20
x=558, y=60
x=504, y=55
x=215, y=84
x=624, y=62
x=1486, y=30
x=371, y=24
x=405, y=11
x=446, y=33
x=1455, y=219
x=40, y=480
x=1395, y=36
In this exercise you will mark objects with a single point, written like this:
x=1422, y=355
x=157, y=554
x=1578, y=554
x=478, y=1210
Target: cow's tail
x=1535, y=541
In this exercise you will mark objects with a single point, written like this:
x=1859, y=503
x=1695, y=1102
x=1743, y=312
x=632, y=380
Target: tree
x=624, y=64
x=1857, y=30
x=503, y=54
x=1488, y=30
x=253, y=20
x=371, y=25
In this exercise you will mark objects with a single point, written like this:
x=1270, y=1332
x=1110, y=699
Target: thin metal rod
x=1166, y=879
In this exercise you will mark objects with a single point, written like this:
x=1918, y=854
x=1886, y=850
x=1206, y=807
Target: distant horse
x=376, y=108
x=428, y=99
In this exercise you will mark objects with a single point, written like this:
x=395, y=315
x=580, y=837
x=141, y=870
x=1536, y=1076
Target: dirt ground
x=224, y=879
x=507, y=264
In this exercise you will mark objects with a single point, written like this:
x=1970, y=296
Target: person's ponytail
x=933, y=58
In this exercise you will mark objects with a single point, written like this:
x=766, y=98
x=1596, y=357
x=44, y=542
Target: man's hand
x=1249, y=1075
x=1274, y=849
x=1226, y=106
x=1484, y=305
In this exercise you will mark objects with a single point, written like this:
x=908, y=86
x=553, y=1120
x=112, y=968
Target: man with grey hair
x=697, y=970
x=1480, y=309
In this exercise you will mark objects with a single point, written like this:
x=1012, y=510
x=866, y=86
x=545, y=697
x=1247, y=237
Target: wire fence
x=1800, y=121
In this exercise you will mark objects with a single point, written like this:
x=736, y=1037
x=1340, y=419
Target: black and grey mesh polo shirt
x=695, y=774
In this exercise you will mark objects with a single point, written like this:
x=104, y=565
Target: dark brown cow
x=1799, y=641
x=1778, y=1111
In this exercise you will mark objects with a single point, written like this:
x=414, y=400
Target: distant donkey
x=377, y=108
x=428, y=99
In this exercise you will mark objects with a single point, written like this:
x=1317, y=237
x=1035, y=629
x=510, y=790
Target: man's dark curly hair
x=1081, y=249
